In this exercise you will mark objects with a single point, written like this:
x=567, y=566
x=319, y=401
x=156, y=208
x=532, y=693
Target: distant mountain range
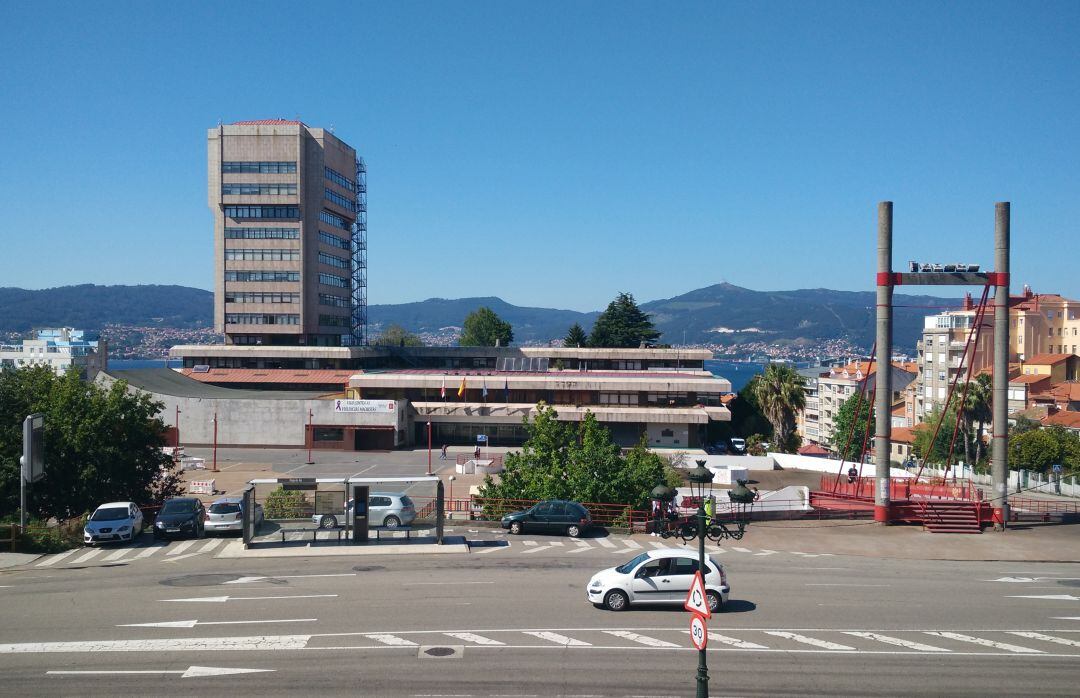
x=718, y=314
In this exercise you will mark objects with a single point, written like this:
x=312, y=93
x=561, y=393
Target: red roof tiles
x=271, y=375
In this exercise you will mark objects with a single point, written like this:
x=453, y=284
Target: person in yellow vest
x=710, y=510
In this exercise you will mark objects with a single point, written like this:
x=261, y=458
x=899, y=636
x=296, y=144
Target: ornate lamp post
x=700, y=477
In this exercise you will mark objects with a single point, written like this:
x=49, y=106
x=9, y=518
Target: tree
x=483, y=328
x=755, y=445
x=563, y=461
x=975, y=415
x=779, y=392
x=1039, y=449
x=622, y=325
x=397, y=336
x=101, y=444
x=576, y=337
x=938, y=452
x=847, y=443
x=746, y=416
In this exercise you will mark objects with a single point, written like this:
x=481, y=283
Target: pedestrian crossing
x=142, y=550
x=1043, y=642
x=500, y=543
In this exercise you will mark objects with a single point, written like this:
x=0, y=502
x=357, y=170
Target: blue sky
x=555, y=153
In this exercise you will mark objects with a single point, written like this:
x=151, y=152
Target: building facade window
x=242, y=212
x=261, y=319
x=333, y=197
x=263, y=276
x=270, y=189
x=261, y=255
x=339, y=179
x=334, y=240
x=258, y=167
x=334, y=220
x=332, y=300
x=618, y=398
x=260, y=297
x=334, y=320
x=328, y=434
x=262, y=233
x=331, y=280
x=331, y=260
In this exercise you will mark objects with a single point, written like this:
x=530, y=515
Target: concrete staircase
x=942, y=516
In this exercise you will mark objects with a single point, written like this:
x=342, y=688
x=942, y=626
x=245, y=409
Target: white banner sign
x=202, y=487
x=364, y=406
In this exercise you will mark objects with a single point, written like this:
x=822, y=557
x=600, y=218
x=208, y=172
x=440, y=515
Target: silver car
x=113, y=522
x=226, y=514
x=389, y=509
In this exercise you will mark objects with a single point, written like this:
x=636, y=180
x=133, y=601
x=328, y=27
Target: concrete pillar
x=999, y=454
x=883, y=383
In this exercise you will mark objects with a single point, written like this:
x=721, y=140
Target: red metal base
x=881, y=513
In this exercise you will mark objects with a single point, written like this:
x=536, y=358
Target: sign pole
x=429, y=447
x=310, y=436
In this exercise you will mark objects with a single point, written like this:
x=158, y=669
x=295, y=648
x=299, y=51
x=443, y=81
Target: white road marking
x=192, y=644
x=180, y=547
x=473, y=637
x=492, y=549
x=178, y=558
x=985, y=643
x=1046, y=638
x=824, y=644
x=641, y=639
x=658, y=545
x=578, y=550
x=414, y=584
x=741, y=550
x=247, y=580
x=536, y=550
x=116, y=555
x=555, y=542
x=394, y=640
x=1066, y=617
x=149, y=550
x=530, y=542
x=741, y=644
x=765, y=552
x=53, y=559
x=211, y=544
x=604, y=542
x=632, y=544
x=559, y=639
x=910, y=644
x=189, y=673
x=715, y=551
x=83, y=558
x=223, y=599
x=1048, y=597
x=193, y=623
x=838, y=584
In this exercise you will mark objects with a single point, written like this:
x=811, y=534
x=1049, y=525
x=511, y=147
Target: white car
x=657, y=576
x=113, y=522
x=738, y=446
x=226, y=514
x=389, y=509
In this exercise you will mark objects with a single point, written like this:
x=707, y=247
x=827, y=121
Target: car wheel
x=714, y=600
x=573, y=530
x=616, y=600
x=516, y=528
x=391, y=522
x=328, y=522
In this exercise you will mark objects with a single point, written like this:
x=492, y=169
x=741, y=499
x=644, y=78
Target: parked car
x=389, y=509
x=738, y=446
x=550, y=516
x=657, y=576
x=226, y=514
x=113, y=522
x=180, y=516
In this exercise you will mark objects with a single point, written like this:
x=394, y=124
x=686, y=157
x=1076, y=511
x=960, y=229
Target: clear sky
x=555, y=153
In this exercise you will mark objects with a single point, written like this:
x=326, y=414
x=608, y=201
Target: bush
x=40, y=537
x=285, y=504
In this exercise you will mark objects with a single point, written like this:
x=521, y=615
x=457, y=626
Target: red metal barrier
x=901, y=488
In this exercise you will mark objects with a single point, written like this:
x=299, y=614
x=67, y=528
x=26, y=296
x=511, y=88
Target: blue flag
x=506, y=390
x=485, y=389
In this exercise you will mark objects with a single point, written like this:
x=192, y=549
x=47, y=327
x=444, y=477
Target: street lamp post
x=176, y=423
x=215, y=441
x=699, y=478
x=310, y=436
x=429, y=447
x=451, y=480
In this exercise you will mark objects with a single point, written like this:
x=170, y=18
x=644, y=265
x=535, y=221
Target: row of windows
x=338, y=199
x=331, y=280
x=1050, y=332
x=330, y=299
x=262, y=276
x=334, y=220
x=618, y=398
x=334, y=320
x=262, y=233
x=333, y=261
x=262, y=212
x=259, y=167
x=257, y=255
x=234, y=189
x=260, y=297
x=260, y=319
x=339, y=179
x=333, y=240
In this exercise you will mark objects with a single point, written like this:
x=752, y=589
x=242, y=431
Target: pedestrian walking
x=657, y=510
x=476, y=453
x=442, y=456
x=852, y=475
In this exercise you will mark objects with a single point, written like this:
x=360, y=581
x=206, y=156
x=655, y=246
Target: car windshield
x=110, y=514
x=224, y=508
x=405, y=501
x=178, y=507
x=624, y=569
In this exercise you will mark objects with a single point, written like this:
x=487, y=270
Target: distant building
x=60, y=349
x=843, y=382
x=290, y=235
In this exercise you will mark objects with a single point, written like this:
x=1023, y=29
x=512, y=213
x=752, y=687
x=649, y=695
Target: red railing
x=495, y=458
x=901, y=488
x=1044, y=506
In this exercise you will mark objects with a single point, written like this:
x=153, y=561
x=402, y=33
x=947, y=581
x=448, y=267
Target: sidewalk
x=15, y=559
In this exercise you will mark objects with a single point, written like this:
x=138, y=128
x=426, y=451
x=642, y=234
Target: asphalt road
x=517, y=623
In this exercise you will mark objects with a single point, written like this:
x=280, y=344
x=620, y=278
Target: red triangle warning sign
x=696, y=601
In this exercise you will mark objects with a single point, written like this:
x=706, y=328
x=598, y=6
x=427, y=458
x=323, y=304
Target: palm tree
x=779, y=393
x=978, y=411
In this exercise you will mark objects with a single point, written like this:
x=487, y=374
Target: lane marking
x=985, y=643
x=641, y=639
x=559, y=639
x=416, y=584
x=578, y=550
x=223, y=599
x=530, y=542
x=180, y=547
x=1049, y=597
x=190, y=644
x=658, y=545
x=473, y=637
x=116, y=554
x=491, y=549
x=190, y=672
x=555, y=542
x=741, y=644
x=211, y=544
x=741, y=550
x=765, y=552
x=910, y=644
x=178, y=558
x=394, y=640
x=83, y=558
x=536, y=550
x=53, y=559
x=150, y=550
x=829, y=584
x=716, y=551
x=193, y=623
x=632, y=544
x=1046, y=638
x=604, y=542
x=824, y=644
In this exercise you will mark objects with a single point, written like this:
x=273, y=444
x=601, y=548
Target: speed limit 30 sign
x=698, y=634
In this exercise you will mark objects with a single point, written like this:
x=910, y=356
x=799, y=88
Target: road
x=515, y=622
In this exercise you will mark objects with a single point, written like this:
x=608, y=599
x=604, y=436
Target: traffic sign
x=481, y=438
x=698, y=634
x=696, y=600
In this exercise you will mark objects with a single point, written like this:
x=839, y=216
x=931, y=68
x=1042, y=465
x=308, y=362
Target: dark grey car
x=550, y=516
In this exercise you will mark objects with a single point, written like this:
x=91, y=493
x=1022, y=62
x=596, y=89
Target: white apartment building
x=60, y=349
